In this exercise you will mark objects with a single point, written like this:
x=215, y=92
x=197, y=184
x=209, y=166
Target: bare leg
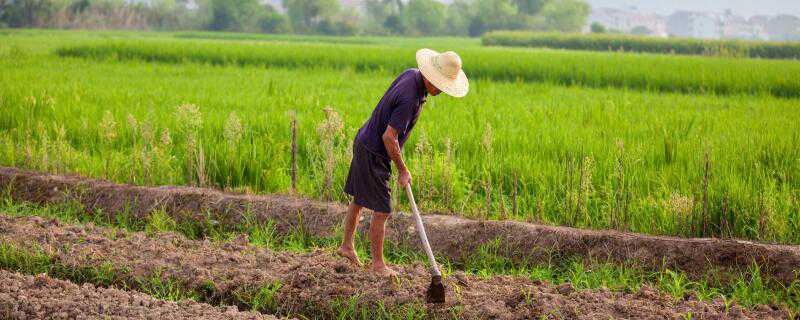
x=376, y=234
x=348, y=249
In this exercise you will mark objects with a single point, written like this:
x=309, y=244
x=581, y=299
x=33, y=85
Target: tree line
x=370, y=17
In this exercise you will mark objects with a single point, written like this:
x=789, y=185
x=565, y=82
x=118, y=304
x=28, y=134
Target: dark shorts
x=368, y=180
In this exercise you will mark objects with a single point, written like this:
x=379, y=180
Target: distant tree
x=641, y=31
x=566, y=15
x=493, y=15
x=234, y=15
x=341, y=24
x=531, y=7
x=170, y=15
x=308, y=16
x=26, y=13
x=4, y=7
x=598, y=27
x=271, y=21
x=424, y=17
x=458, y=16
x=383, y=16
x=79, y=6
x=393, y=24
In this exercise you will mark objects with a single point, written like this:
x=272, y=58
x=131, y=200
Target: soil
x=42, y=297
x=313, y=282
x=452, y=237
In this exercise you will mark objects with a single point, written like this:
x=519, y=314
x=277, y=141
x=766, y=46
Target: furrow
x=320, y=285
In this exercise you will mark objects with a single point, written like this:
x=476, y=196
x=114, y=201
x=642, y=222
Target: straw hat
x=443, y=70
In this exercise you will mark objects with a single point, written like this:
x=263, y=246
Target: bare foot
x=384, y=271
x=350, y=255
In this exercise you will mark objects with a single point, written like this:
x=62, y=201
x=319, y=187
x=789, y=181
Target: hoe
x=435, y=292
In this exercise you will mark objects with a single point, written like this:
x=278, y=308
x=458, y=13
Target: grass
x=590, y=69
x=745, y=288
x=592, y=158
x=631, y=43
x=35, y=262
x=261, y=299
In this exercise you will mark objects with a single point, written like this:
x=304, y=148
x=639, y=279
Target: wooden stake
x=705, y=194
x=293, y=115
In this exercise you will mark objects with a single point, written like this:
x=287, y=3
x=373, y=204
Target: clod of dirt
x=342, y=267
x=310, y=284
x=452, y=237
x=565, y=288
x=41, y=297
x=461, y=278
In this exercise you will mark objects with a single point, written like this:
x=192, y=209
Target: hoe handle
x=421, y=231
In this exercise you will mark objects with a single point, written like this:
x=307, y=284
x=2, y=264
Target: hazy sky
x=745, y=8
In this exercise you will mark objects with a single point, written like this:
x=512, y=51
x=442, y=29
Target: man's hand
x=404, y=178
x=393, y=149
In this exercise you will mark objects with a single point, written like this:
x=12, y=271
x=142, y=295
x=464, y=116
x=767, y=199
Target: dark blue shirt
x=400, y=107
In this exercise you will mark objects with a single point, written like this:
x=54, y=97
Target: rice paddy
x=148, y=108
x=655, y=144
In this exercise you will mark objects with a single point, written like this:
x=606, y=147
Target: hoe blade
x=435, y=292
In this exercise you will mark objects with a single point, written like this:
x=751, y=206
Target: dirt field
x=313, y=282
x=40, y=297
x=453, y=237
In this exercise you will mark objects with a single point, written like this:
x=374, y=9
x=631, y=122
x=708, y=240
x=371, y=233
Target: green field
x=641, y=72
x=631, y=43
x=597, y=140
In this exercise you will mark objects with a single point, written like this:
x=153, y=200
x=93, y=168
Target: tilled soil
x=312, y=282
x=452, y=237
x=41, y=297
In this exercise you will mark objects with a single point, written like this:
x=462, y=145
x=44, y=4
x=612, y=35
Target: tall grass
x=629, y=43
x=560, y=155
x=591, y=69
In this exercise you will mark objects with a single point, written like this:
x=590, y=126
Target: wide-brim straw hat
x=443, y=70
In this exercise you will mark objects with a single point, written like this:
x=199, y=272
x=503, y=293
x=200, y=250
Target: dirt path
x=312, y=283
x=452, y=237
x=27, y=297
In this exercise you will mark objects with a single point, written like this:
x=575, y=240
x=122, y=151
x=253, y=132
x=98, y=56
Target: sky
x=746, y=8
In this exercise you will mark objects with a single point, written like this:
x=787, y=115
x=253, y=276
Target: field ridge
x=41, y=296
x=452, y=237
x=314, y=283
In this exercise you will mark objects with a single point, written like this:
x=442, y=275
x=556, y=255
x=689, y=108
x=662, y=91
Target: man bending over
x=380, y=140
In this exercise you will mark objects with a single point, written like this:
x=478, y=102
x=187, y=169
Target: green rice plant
x=646, y=146
x=591, y=69
x=630, y=43
x=331, y=137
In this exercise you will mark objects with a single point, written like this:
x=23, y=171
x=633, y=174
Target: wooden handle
x=421, y=231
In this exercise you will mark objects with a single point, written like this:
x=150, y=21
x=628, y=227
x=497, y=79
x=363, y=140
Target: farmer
x=381, y=139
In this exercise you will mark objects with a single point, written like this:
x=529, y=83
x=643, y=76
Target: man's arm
x=392, y=145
